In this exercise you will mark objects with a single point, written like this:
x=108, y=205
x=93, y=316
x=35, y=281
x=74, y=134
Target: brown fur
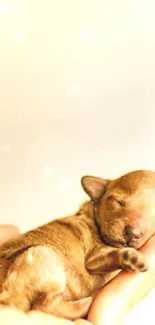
x=59, y=267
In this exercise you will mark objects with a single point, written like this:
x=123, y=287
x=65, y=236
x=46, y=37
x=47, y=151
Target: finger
x=7, y=232
x=118, y=297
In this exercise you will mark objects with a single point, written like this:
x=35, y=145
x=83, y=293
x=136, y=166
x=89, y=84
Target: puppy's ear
x=94, y=186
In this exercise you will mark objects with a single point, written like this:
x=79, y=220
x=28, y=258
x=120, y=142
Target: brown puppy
x=58, y=267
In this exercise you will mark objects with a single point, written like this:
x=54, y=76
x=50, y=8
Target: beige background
x=77, y=96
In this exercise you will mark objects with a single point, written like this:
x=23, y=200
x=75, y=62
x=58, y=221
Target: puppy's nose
x=132, y=232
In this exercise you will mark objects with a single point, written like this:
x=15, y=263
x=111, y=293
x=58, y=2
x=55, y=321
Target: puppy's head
x=124, y=208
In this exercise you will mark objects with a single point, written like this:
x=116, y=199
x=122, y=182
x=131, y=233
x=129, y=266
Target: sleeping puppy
x=58, y=267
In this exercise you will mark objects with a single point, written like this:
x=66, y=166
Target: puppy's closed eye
x=114, y=202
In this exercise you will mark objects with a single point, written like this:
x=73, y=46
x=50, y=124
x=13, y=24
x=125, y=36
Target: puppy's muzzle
x=134, y=236
x=132, y=232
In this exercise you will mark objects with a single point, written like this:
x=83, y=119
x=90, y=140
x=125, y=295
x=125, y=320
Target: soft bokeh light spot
x=48, y=171
x=5, y=149
x=4, y=7
x=86, y=35
x=75, y=90
x=65, y=183
x=21, y=34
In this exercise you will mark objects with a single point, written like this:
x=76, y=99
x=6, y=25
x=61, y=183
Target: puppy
x=58, y=267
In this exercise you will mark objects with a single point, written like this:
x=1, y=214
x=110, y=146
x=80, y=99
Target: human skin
x=126, y=289
x=115, y=301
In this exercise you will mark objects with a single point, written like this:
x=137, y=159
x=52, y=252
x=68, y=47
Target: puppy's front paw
x=131, y=259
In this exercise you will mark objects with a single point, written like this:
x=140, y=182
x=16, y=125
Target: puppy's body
x=72, y=239
x=58, y=267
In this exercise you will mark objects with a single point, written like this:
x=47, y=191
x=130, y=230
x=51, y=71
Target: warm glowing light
x=4, y=7
x=86, y=35
x=21, y=34
x=65, y=183
x=5, y=149
x=48, y=171
x=75, y=90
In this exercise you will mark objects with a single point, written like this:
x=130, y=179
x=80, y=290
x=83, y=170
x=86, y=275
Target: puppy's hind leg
x=64, y=308
x=35, y=272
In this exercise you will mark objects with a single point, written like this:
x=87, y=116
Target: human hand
x=119, y=296
x=7, y=232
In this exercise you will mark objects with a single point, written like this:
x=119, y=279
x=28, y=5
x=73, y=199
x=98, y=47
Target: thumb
x=7, y=232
